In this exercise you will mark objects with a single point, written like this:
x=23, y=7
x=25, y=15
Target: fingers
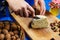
x=35, y=3
x=42, y=7
x=26, y=12
x=44, y=11
x=31, y=10
x=21, y=12
x=51, y=4
x=17, y=12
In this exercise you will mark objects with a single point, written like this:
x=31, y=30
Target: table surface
x=37, y=34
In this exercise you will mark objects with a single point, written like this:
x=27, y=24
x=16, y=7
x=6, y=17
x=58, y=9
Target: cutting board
x=37, y=34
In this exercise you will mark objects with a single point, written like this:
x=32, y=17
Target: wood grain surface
x=37, y=34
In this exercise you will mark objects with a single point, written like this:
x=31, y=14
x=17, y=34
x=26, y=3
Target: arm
x=21, y=7
x=42, y=6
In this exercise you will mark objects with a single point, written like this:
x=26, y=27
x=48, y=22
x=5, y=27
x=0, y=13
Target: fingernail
x=34, y=15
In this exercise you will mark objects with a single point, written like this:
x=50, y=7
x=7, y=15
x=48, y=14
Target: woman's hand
x=20, y=7
x=53, y=5
x=42, y=6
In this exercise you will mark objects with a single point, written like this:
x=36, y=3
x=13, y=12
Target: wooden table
x=37, y=34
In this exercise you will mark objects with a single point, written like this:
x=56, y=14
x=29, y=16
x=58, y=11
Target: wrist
x=13, y=0
x=20, y=0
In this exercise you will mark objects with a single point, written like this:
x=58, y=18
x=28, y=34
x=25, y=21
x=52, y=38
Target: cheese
x=40, y=22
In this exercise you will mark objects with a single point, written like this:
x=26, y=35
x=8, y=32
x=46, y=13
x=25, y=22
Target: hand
x=20, y=6
x=42, y=6
x=53, y=5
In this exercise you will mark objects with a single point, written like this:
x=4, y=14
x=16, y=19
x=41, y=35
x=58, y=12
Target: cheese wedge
x=40, y=22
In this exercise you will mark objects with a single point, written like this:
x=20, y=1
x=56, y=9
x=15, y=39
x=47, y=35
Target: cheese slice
x=40, y=22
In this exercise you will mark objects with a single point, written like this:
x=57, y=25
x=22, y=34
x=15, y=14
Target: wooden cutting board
x=37, y=34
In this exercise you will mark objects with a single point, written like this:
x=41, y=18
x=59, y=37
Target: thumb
x=35, y=3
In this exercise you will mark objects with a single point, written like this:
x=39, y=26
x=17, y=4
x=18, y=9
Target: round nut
x=59, y=22
x=13, y=26
x=5, y=31
x=52, y=39
x=6, y=22
x=1, y=25
x=7, y=27
x=8, y=39
x=8, y=36
x=18, y=27
x=18, y=39
x=2, y=36
x=15, y=32
x=13, y=38
x=0, y=30
x=11, y=33
x=16, y=36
